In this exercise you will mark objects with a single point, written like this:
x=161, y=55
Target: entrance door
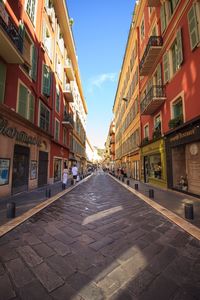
x=20, y=169
x=146, y=169
x=42, y=168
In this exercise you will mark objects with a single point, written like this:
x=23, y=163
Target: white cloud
x=99, y=80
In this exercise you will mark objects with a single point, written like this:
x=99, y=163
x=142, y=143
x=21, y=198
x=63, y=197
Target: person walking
x=74, y=172
x=64, y=177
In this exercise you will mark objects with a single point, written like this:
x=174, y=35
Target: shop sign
x=20, y=136
x=183, y=135
x=3, y=13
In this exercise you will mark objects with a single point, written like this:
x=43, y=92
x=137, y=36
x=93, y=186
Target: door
x=20, y=169
x=146, y=169
x=42, y=168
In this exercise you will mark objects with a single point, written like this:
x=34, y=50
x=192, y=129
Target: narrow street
x=99, y=242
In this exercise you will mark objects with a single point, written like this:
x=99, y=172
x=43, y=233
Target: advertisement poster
x=4, y=171
x=33, y=169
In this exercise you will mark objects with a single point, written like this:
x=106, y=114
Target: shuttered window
x=26, y=103
x=30, y=9
x=179, y=47
x=57, y=130
x=34, y=63
x=166, y=67
x=46, y=83
x=2, y=81
x=163, y=18
x=57, y=101
x=193, y=27
x=44, y=120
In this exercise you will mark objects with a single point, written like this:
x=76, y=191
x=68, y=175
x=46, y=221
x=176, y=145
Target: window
x=26, y=103
x=146, y=131
x=64, y=136
x=44, y=119
x=34, y=63
x=142, y=30
x=57, y=130
x=2, y=81
x=157, y=123
x=194, y=25
x=47, y=40
x=27, y=51
x=30, y=9
x=177, y=108
x=57, y=100
x=59, y=68
x=166, y=11
x=46, y=82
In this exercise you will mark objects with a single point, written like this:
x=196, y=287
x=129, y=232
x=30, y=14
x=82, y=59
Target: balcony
x=10, y=39
x=150, y=55
x=68, y=120
x=67, y=91
x=153, y=3
x=153, y=100
x=69, y=69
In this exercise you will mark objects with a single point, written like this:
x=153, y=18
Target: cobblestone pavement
x=99, y=242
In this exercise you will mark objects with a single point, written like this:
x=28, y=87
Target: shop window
x=2, y=81
x=46, y=81
x=30, y=9
x=194, y=25
x=155, y=166
x=57, y=169
x=26, y=103
x=57, y=130
x=57, y=100
x=44, y=120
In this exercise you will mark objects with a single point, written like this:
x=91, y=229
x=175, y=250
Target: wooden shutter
x=31, y=108
x=193, y=28
x=46, y=81
x=162, y=18
x=2, y=81
x=22, y=101
x=34, y=63
x=179, y=47
x=166, y=67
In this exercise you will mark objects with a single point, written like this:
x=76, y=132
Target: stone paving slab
x=100, y=241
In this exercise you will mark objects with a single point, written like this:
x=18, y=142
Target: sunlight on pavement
x=102, y=214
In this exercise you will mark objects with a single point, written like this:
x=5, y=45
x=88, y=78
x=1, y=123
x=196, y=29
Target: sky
x=100, y=31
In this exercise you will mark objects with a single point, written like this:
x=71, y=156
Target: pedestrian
x=64, y=176
x=74, y=172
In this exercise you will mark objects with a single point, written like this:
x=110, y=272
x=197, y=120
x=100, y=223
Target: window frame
x=39, y=112
x=29, y=94
x=36, y=4
x=57, y=138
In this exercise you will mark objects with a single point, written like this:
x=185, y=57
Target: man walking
x=74, y=172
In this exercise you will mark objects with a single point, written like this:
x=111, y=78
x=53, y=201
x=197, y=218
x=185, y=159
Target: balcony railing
x=153, y=3
x=150, y=55
x=153, y=100
x=11, y=40
x=68, y=120
x=67, y=91
x=69, y=69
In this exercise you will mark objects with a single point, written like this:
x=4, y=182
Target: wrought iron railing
x=154, y=41
x=68, y=118
x=156, y=91
x=13, y=33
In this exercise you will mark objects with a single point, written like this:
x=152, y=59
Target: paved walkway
x=99, y=242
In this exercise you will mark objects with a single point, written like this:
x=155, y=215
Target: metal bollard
x=122, y=178
x=136, y=186
x=11, y=210
x=127, y=182
x=189, y=212
x=151, y=193
x=49, y=194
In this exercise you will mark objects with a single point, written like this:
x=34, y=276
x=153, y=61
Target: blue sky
x=100, y=30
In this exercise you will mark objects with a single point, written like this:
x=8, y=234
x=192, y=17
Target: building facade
x=39, y=83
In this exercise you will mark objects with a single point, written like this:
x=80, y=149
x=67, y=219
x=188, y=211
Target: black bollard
x=127, y=182
x=11, y=210
x=49, y=194
x=136, y=186
x=123, y=179
x=189, y=213
x=151, y=193
x=72, y=181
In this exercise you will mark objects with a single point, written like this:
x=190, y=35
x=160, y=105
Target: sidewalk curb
x=188, y=227
x=5, y=228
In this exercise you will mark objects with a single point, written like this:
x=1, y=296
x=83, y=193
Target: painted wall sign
x=20, y=136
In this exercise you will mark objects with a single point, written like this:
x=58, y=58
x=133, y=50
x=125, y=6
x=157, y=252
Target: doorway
x=42, y=168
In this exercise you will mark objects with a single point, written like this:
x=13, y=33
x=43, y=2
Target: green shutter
x=179, y=48
x=162, y=18
x=22, y=102
x=46, y=81
x=166, y=67
x=34, y=63
x=2, y=81
x=31, y=108
x=193, y=27
x=159, y=77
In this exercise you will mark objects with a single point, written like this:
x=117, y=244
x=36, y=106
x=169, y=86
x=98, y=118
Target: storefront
x=135, y=166
x=183, y=157
x=59, y=159
x=153, y=163
x=20, y=159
